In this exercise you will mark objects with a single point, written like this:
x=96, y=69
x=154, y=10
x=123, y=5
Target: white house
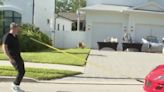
x=110, y=18
x=38, y=12
x=66, y=34
x=68, y=22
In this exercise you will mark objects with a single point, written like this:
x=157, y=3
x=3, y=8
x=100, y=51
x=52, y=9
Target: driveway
x=121, y=64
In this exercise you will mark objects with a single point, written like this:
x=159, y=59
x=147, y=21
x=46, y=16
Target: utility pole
x=33, y=11
x=55, y=15
x=78, y=16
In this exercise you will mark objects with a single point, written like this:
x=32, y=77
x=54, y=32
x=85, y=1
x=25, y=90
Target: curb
x=10, y=79
x=92, y=83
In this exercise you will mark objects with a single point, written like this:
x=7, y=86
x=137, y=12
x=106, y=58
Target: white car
x=151, y=44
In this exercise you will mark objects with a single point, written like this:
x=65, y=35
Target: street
x=53, y=87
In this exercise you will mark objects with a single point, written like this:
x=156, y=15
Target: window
x=17, y=14
x=9, y=17
x=17, y=20
x=8, y=13
x=48, y=21
x=82, y=26
x=1, y=25
x=63, y=28
x=58, y=27
x=74, y=26
x=7, y=21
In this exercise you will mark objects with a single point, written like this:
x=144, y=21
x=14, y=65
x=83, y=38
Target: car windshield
x=152, y=39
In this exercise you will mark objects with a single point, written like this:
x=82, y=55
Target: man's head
x=14, y=27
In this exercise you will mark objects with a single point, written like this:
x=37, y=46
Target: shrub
x=29, y=31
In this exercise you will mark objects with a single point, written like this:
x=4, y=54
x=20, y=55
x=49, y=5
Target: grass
x=38, y=73
x=54, y=57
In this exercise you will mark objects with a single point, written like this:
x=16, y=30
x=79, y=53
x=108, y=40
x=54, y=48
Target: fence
x=70, y=39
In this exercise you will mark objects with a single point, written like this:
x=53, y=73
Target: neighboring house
x=67, y=34
x=111, y=18
x=68, y=22
x=38, y=12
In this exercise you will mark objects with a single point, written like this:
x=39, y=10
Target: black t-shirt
x=12, y=43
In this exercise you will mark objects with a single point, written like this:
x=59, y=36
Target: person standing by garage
x=11, y=48
x=127, y=38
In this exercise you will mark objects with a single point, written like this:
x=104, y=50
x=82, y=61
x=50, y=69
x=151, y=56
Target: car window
x=152, y=39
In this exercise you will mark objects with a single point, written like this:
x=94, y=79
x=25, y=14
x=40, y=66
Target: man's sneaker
x=16, y=88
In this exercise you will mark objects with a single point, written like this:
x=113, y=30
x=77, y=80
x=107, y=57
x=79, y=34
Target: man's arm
x=5, y=49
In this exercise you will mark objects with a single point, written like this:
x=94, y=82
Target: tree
x=76, y=4
x=62, y=6
x=69, y=5
x=1, y=2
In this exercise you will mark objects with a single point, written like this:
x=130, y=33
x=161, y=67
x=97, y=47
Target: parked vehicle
x=152, y=44
x=154, y=81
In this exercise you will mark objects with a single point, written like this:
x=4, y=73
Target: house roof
x=103, y=7
x=11, y=7
x=149, y=7
x=71, y=16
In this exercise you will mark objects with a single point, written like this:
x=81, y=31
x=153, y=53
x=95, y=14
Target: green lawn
x=54, y=57
x=38, y=73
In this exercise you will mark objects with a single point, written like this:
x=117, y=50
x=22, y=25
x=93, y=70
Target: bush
x=29, y=31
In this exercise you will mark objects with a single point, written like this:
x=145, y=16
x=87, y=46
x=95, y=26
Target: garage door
x=143, y=30
x=101, y=31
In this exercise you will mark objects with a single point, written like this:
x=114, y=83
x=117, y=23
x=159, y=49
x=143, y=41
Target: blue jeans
x=18, y=64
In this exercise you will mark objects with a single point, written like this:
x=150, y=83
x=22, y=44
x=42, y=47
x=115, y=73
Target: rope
x=106, y=70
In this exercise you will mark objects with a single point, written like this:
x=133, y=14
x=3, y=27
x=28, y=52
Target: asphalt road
x=52, y=87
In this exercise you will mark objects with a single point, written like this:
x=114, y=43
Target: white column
x=78, y=17
x=78, y=20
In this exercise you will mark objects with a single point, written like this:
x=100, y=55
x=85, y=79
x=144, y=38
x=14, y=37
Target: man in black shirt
x=12, y=49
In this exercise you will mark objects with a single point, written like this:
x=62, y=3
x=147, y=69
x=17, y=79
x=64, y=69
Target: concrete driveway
x=121, y=64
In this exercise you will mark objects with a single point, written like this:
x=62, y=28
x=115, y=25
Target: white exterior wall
x=68, y=39
x=45, y=10
x=102, y=16
x=63, y=22
x=24, y=7
x=142, y=18
x=109, y=17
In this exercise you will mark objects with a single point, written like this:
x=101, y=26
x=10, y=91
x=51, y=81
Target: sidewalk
x=48, y=66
